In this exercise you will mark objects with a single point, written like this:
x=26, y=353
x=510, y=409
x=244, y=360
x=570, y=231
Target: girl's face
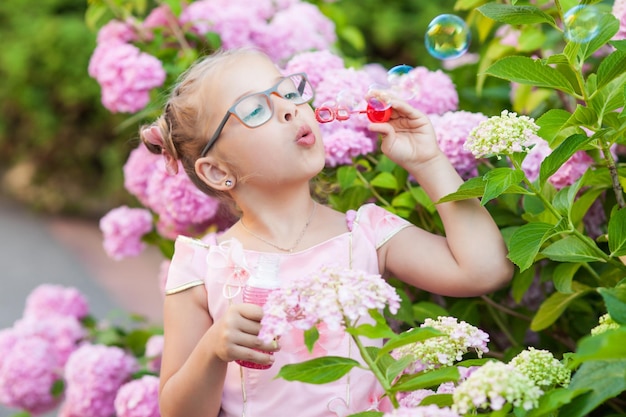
x=286, y=147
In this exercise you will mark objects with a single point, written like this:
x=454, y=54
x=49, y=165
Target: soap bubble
x=401, y=83
x=447, y=37
x=581, y=23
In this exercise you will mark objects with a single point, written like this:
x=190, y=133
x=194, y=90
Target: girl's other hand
x=235, y=335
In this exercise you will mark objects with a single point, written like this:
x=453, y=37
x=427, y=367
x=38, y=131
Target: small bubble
x=581, y=23
x=347, y=99
x=401, y=83
x=447, y=37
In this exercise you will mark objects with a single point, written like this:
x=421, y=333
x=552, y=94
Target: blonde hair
x=182, y=125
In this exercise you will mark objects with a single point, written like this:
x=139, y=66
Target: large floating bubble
x=581, y=23
x=447, y=37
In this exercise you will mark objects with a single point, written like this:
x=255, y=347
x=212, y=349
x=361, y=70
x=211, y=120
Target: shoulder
x=188, y=264
x=377, y=221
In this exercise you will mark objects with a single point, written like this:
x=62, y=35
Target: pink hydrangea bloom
x=238, y=22
x=28, y=369
x=423, y=411
x=126, y=76
x=122, y=228
x=116, y=31
x=413, y=399
x=55, y=300
x=316, y=64
x=62, y=332
x=566, y=175
x=138, y=398
x=467, y=58
x=181, y=206
x=453, y=129
x=138, y=170
x=94, y=374
x=338, y=297
x=435, y=92
x=159, y=17
x=154, y=350
x=342, y=143
x=300, y=27
x=619, y=11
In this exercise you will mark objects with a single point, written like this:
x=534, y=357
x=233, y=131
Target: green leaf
x=368, y=414
x=427, y=310
x=560, y=155
x=423, y=199
x=615, y=300
x=521, y=282
x=551, y=122
x=515, y=15
x=607, y=28
x=319, y=370
x=604, y=380
x=414, y=335
x=608, y=345
x=346, y=176
x=310, y=337
x=552, y=400
x=573, y=249
x=440, y=400
x=472, y=188
x=385, y=180
x=552, y=308
x=426, y=380
x=611, y=67
x=620, y=45
x=529, y=71
x=526, y=242
x=377, y=331
x=498, y=180
x=564, y=275
x=396, y=367
x=617, y=233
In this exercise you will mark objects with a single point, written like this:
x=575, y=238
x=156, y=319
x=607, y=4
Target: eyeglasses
x=257, y=109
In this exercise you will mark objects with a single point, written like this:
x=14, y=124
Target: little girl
x=246, y=133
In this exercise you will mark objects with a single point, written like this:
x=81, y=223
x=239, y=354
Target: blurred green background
x=62, y=152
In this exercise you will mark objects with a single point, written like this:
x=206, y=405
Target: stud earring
x=228, y=183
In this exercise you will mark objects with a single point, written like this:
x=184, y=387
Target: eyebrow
x=252, y=92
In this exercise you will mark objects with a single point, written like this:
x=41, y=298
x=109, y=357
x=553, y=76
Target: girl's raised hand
x=408, y=138
x=235, y=335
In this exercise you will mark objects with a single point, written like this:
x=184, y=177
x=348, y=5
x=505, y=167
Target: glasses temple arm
x=216, y=135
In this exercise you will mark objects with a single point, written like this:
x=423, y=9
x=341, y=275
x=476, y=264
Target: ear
x=214, y=174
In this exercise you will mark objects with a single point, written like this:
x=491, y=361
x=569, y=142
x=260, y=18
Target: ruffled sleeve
x=379, y=223
x=188, y=265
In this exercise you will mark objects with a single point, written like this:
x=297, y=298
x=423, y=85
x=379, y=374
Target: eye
x=255, y=116
x=253, y=110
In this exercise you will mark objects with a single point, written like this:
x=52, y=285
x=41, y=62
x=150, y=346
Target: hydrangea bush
x=548, y=168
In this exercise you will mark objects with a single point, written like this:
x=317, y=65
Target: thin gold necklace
x=290, y=249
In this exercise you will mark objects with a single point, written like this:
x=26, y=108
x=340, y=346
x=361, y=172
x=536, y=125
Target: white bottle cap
x=266, y=275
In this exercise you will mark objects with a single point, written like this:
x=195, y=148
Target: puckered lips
x=305, y=136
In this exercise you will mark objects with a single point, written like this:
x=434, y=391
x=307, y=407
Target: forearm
x=195, y=390
x=474, y=239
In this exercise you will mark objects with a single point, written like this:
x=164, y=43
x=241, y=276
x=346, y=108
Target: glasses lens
x=254, y=110
x=296, y=88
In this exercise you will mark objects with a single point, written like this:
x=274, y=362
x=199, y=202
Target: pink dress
x=223, y=269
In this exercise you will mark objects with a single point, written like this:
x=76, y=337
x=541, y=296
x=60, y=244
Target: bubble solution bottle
x=257, y=289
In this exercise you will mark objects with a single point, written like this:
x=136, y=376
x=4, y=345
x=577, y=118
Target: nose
x=286, y=110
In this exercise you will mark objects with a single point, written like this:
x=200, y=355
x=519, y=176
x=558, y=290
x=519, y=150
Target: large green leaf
x=515, y=15
x=617, y=233
x=554, y=399
x=385, y=180
x=552, y=308
x=607, y=28
x=604, y=379
x=414, y=335
x=426, y=379
x=529, y=71
x=560, y=155
x=526, y=242
x=615, y=300
x=498, y=180
x=609, y=345
x=319, y=370
x=573, y=249
x=564, y=275
x=551, y=123
x=611, y=67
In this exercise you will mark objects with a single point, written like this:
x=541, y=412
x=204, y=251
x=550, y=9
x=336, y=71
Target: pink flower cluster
x=335, y=296
x=93, y=376
x=423, y=411
x=138, y=398
x=566, y=175
x=619, y=10
x=122, y=229
x=453, y=129
x=34, y=351
x=180, y=206
x=125, y=73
